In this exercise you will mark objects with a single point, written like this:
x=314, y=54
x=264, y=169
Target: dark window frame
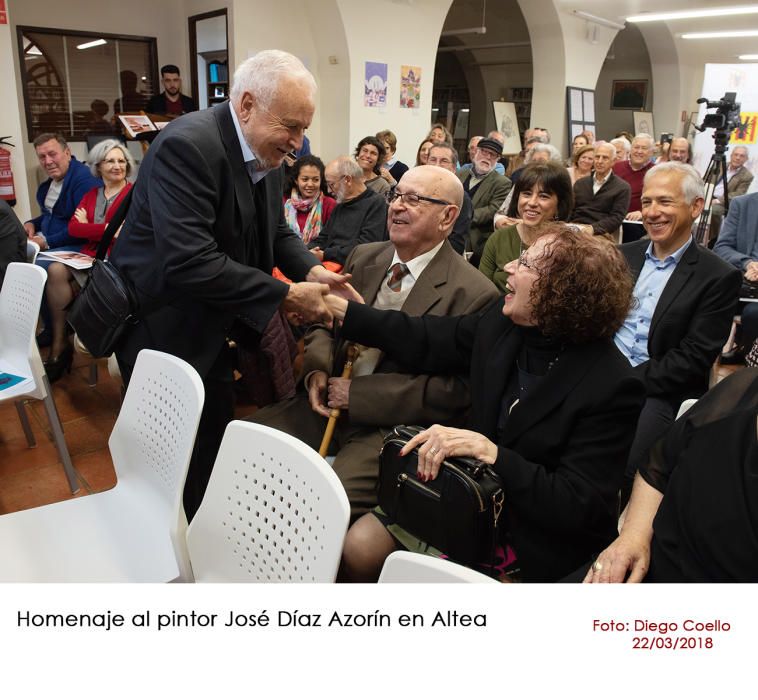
x=151, y=41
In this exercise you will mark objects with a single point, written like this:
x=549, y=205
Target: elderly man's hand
x=339, y=392
x=337, y=306
x=634, y=216
x=338, y=283
x=40, y=240
x=29, y=228
x=304, y=304
x=317, y=393
x=751, y=272
x=628, y=553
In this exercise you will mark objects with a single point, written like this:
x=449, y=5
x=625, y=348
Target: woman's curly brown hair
x=584, y=291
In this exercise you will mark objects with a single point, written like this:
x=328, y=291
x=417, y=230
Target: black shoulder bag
x=107, y=305
x=458, y=513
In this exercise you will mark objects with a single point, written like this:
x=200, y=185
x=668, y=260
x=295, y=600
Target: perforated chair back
x=410, y=567
x=154, y=435
x=20, y=300
x=274, y=511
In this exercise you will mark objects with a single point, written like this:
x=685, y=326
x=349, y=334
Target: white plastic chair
x=20, y=300
x=136, y=531
x=274, y=511
x=411, y=567
x=32, y=251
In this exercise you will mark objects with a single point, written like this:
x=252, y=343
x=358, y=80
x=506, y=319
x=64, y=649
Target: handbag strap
x=113, y=226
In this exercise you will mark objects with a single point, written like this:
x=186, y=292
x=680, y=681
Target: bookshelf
x=217, y=80
x=522, y=99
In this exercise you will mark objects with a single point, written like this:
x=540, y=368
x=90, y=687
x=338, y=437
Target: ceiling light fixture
x=694, y=14
x=721, y=35
x=90, y=44
x=598, y=20
x=749, y=57
x=471, y=30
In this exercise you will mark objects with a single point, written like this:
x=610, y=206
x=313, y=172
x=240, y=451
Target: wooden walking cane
x=352, y=353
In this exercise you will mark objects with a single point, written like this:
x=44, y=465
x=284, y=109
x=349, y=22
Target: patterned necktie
x=397, y=272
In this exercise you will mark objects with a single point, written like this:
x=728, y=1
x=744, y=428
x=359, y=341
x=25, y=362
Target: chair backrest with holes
x=20, y=300
x=411, y=567
x=274, y=511
x=155, y=431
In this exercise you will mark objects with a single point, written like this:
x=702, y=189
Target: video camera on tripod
x=724, y=121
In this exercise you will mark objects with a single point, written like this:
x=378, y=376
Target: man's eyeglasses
x=412, y=199
x=332, y=184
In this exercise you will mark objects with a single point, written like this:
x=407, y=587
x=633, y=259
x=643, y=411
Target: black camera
x=724, y=121
x=666, y=138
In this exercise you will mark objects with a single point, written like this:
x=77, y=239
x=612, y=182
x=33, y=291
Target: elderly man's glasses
x=411, y=199
x=332, y=184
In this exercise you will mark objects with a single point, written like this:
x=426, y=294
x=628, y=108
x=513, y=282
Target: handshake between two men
x=306, y=302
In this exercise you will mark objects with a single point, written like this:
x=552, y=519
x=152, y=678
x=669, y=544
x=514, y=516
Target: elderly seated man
x=602, y=199
x=416, y=271
x=686, y=296
x=445, y=156
x=634, y=169
x=472, y=144
x=738, y=245
x=487, y=190
x=359, y=217
x=623, y=147
x=738, y=180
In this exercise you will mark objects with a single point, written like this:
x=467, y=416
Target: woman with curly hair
x=554, y=404
x=370, y=154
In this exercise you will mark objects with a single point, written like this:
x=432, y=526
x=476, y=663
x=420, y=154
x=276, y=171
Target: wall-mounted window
x=75, y=82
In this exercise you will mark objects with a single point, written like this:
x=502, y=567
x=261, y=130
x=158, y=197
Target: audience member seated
x=542, y=195
x=359, y=217
x=111, y=162
x=423, y=152
x=472, y=144
x=444, y=156
x=58, y=196
x=536, y=152
x=528, y=154
x=678, y=150
x=369, y=154
x=633, y=171
x=553, y=403
x=692, y=515
x=308, y=206
x=738, y=179
x=439, y=132
x=392, y=169
x=500, y=138
x=602, y=199
x=623, y=148
x=581, y=163
x=12, y=239
x=579, y=141
x=686, y=297
x=487, y=190
x=738, y=245
x=431, y=279
x=171, y=102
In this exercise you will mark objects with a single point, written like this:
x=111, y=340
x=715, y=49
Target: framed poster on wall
x=628, y=94
x=580, y=112
x=507, y=123
x=643, y=123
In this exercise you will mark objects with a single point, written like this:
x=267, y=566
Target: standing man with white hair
x=204, y=230
x=634, y=169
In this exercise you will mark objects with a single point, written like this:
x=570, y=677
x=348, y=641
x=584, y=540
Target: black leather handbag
x=106, y=304
x=459, y=512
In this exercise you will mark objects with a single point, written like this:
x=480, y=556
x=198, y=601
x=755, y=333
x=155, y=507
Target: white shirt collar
x=418, y=264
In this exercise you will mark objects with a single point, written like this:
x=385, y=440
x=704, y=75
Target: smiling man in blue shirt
x=685, y=300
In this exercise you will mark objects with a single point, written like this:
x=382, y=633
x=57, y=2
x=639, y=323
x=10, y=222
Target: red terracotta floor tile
x=96, y=470
x=34, y=488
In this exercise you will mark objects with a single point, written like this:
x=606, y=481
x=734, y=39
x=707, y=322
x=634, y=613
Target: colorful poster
x=410, y=86
x=747, y=132
x=375, y=85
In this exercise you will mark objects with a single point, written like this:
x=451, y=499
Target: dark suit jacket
x=486, y=200
x=447, y=286
x=157, y=104
x=604, y=210
x=739, y=233
x=564, y=448
x=690, y=324
x=459, y=234
x=200, y=241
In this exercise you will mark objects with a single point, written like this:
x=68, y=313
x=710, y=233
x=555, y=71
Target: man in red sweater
x=634, y=169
